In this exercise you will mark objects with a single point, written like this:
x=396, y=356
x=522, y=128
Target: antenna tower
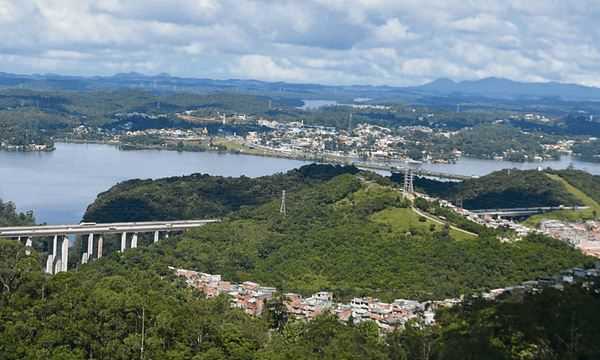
x=282, y=208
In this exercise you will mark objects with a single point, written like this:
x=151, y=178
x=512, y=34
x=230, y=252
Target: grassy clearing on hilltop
x=568, y=215
x=406, y=220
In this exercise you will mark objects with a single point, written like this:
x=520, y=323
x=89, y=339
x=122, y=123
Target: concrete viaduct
x=516, y=212
x=59, y=251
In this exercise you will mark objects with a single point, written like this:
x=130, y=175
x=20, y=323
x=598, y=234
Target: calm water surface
x=478, y=167
x=316, y=104
x=58, y=186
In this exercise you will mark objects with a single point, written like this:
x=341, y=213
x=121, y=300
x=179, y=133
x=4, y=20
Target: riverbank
x=463, y=167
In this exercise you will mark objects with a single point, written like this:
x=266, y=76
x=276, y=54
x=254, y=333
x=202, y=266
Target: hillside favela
x=298, y=180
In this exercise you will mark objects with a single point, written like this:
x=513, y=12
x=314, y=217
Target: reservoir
x=58, y=186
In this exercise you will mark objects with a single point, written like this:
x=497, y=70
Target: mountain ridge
x=491, y=87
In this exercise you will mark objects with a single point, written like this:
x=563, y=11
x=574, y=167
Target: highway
x=106, y=228
x=525, y=211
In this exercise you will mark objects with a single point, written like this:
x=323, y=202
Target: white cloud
x=332, y=41
x=393, y=31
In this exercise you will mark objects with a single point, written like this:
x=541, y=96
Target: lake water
x=58, y=186
x=316, y=104
x=478, y=167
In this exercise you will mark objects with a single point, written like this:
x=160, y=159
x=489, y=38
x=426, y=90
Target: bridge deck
x=106, y=228
x=526, y=211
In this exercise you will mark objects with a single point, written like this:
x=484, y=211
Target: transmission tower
x=408, y=181
x=283, y=209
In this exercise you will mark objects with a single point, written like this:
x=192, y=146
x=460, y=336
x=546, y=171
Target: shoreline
x=371, y=165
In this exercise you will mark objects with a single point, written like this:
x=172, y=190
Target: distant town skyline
x=337, y=42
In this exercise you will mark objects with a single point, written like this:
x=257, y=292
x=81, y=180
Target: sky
x=379, y=42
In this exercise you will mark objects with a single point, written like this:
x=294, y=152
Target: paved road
x=436, y=220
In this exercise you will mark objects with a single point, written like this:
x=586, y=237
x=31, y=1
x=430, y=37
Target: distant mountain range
x=504, y=88
x=493, y=88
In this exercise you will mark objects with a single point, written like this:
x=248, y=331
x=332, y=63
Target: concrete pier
x=28, y=246
x=134, y=240
x=100, y=245
x=90, y=246
x=123, y=242
x=65, y=253
x=156, y=236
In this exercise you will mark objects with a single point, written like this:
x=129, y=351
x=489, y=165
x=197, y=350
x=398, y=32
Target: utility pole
x=143, y=332
x=282, y=208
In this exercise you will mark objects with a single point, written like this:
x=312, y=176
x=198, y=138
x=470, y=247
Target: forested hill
x=501, y=189
x=351, y=233
x=200, y=195
x=104, y=310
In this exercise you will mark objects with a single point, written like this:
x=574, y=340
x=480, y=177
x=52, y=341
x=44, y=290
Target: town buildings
x=252, y=298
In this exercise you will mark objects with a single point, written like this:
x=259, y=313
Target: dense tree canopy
x=345, y=232
x=509, y=188
x=350, y=233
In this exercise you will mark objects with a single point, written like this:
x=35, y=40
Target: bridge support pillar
x=134, y=240
x=156, y=236
x=65, y=254
x=88, y=254
x=52, y=256
x=100, y=244
x=58, y=266
x=50, y=264
x=90, y=246
x=28, y=245
x=123, y=241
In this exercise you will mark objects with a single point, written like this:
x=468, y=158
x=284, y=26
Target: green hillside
x=104, y=310
x=199, y=195
x=501, y=189
x=351, y=233
x=585, y=182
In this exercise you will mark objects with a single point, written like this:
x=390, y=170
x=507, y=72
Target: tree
x=14, y=265
x=277, y=312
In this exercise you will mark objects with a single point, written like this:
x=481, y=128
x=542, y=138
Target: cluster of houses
x=248, y=296
x=252, y=298
x=363, y=142
x=584, y=235
x=387, y=316
x=172, y=134
x=566, y=277
x=26, y=148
